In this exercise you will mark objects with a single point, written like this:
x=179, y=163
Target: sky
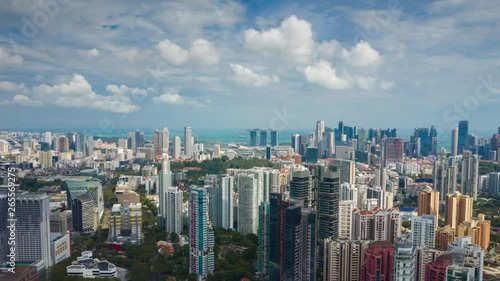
x=246, y=64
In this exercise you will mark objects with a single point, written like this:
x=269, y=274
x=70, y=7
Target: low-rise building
x=88, y=267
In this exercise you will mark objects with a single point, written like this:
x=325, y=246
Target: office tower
x=123, y=143
x=131, y=141
x=312, y=155
x=302, y=145
x=82, y=208
x=263, y=236
x=478, y=229
x=71, y=140
x=263, y=138
x=217, y=150
x=268, y=153
x=93, y=188
x=274, y=138
x=292, y=240
x=346, y=170
x=176, y=147
x=253, y=137
x=378, y=263
x=89, y=145
x=444, y=235
x=470, y=175
x=158, y=142
x=328, y=211
x=458, y=209
x=494, y=184
x=393, y=151
x=466, y=255
x=115, y=221
x=320, y=130
x=201, y=234
x=301, y=187
x=463, y=132
x=249, y=198
x=454, y=142
x=45, y=158
x=423, y=230
x=220, y=189
x=61, y=222
x=165, y=139
x=361, y=140
x=345, y=218
x=404, y=261
x=428, y=202
x=188, y=146
x=139, y=139
x=348, y=192
x=436, y=270
x=296, y=143
x=343, y=259
x=63, y=144
x=46, y=137
x=79, y=142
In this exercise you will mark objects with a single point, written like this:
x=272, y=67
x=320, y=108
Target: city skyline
x=142, y=63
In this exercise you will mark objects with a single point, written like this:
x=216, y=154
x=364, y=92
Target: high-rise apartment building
x=404, y=261
x=176, y=147
x=346, y=169
x=221, y=200
x=445, y=235
x=478, y=229
x=249, y=198
x=466, y=256
x=171, y=198
x=188, y=145
x=493, y=184
x=345, y=218
x=376, y=225
x=423, y=230
x=63, y=144
x=458, y=209
x=470, y=175
x=301, y=186
x=378, y=263
x=424, y=257
x=320, y=131
x=428, y=202
x=436, y=270
x=343, y=259
x=328, y=211
x=454, y=142
x=201, y=234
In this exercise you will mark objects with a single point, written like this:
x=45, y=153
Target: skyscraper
x=274, y=138
x=263, y=138
x=378, y=263
x=201, y=234
x=188, y=146
x=249, y=198
x=253, y=137
x=454, y=142
x=158, y=142
x=423, y=229
x=82, y=209
x=165, y=184
x=458, y=209
x=346, y=169
x=343, y=259
x=221, y=200
x=302, y=145
x=80, y=143
x=466, y=255
x=63, y=144
x=170, y=213
x=295, y=143
x=361, y=140
x=176, y=147
x=320, y=130
x=470, y=175
x=393, y=151
x=328, y=212
x=165, y=139
x=463, y=132
x=301, y=187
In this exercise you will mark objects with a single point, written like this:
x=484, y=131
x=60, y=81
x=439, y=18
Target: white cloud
x=77, y=92
x=173, y=97
x=366, y=83
x=361, y=55
x=200, y=52
x=386, y=85
x=323, y=74
x=248, y=77
x=93, y=53
x=8, y=59
x=172, y=52
x=124, y=90
x=294, y=40
x=12, y=88
x=26, y=101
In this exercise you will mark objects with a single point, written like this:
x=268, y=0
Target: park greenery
x=488, y=167
x=34, y=184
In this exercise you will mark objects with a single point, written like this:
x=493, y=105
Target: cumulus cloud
x=386, y=85
x=323, y=74
x=248, y=77
x=12, y=88
x=124, y=90
x=361, y=55
x=75, y=93
x=172, y=97
x=8, y=59
x=293, y=40
x=93, y=53
x=200, y=52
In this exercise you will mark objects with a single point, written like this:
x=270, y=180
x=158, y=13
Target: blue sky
x=242, y=64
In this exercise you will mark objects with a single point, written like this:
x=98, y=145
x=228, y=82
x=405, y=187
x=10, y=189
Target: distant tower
x=463, y=132
x=176, y=147
x=188, y=147
x=253, y=138
x=295, y=143
x=470, y=175
x=393, y=151
x=454, y=142
x=320, y=131
x=263, y=137
x=165, y=139
x=274, y=138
